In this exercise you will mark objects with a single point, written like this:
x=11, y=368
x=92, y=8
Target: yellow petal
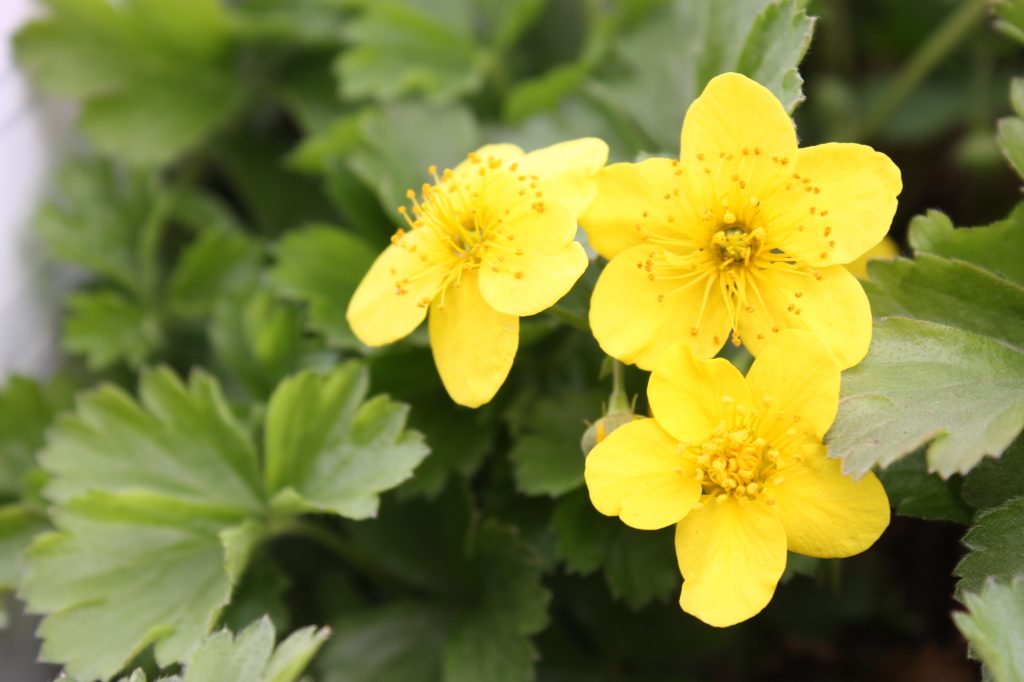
x=566, y=171
x=826, y=513
x=627, y=194
x=638, y=474
x=731, y=556
x=635, y=318
x=392, y=299
x=844, y=201
x=833, y=307
x=473, y=344
x=689, y=395
x=741, y=133
x=883, y=250
x=534, y=281
x=795, y=384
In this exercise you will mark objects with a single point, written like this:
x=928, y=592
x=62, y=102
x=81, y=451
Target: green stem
x=332, y=542
x=928, y=56
x=569, y=316
x=618, y=401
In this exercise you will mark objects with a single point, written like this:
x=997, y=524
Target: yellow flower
x=746, y=233
x=487, y=243
x=883, y=250
x=739, y=465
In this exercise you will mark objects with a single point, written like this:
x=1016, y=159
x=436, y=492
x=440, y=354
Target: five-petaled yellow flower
x=739, y=466
x=745, y=234
x=487, y=243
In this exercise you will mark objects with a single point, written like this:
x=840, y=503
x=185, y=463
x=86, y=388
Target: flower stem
x=618, y=401
x=928, y=56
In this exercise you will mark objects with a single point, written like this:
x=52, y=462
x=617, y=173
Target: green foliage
x=913, y=491
x=997, y=247
x=996, y=544
x=1011, y=128
x=162, y=502
x=764, y=39
x=107, y=327
x=994, y=626
x=154, y=80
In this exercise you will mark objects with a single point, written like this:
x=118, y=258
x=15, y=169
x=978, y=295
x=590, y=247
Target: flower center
x=735, y=245
x=734, y=461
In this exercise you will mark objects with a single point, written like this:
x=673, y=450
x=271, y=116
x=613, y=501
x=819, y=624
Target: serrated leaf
x=484, y=599
x=950, y=292
x=258, y=339
x=124, y=571
x=182, y=440
x=96, y=218
x=998, y=247
x=672, y=55
x=398, y=48
x=996, y=544
x=394, y=153
x=546, y=456
x=994, y=626
x=925, y=382
x=995, y=481
x=18, y=527
x=218, y=263
x=913, y=491
x=322, y=266
x=154, y=80
x=27, y=408
x=108, y=327
x=328, y=450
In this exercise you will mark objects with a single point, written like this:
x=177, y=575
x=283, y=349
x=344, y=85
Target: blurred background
x=922, y=80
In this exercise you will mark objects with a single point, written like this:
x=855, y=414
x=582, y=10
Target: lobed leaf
x=994, y=626
x=998, y=247
x=996, y=544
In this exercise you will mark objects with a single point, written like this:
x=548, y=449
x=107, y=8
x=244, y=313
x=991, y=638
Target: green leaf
x=95, y=220
x=925, y=382
x=27, y=408
x=394, y=154
x=546, y=455
x=108, y=327
x=328, y=450
x=998, y=247
x=483, y=600
x=671, y=56
x=996, y=541
x=995, y=481
x=258, y=339
x=639, y=566
x=1011, y=139
x=950, y=292
x=1010, y=18
x=398, y=48
x=18, y=526
x=154, y=79
x=913, y=491
x=994, y=626
x=182, y=440
x=218, y=263
x=125, y=571
x=322, y=266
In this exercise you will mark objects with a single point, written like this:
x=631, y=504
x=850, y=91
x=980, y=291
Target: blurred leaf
x=107, y=327
x=328, y=450
x=996, y=544
x=322, y=266
x=27, y=408
x=994, y=626
x=258, y=339
x=1010, y=18
x=924, y=382
x=995, y=481
x=949, y=292
x=639, y=566
x=398, y=48
x=155, y=79
x=913, y=491
x=337, y=140
x=218, y=262
x=1011, y=139
x=503, y=21
x=483, y=600
x=545, y=454
x=672, y=55
x=18, y=526
x=291, y=22
x=124, y=571
x=394, y=153
x=96, y=218
x=261, y=592
x=998, y=247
